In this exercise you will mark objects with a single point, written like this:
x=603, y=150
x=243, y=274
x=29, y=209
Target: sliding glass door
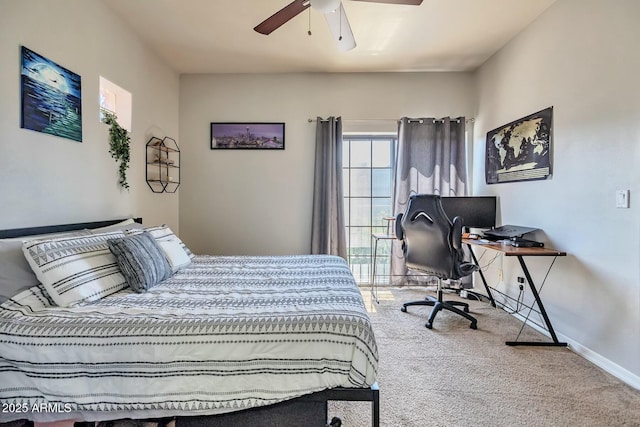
x=368, y=196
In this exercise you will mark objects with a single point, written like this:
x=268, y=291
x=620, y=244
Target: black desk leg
x=484, y=280
x=547, y=321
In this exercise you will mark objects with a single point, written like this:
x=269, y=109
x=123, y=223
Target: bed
x=223, y=334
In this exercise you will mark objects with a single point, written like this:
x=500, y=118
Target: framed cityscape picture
x=51, y=97
x=520, y=150
x=251, y=136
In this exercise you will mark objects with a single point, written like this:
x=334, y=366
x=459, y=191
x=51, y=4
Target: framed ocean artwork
x=51, y=97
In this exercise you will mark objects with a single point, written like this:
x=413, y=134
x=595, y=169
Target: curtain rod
x=393, y=120
x=358, y=120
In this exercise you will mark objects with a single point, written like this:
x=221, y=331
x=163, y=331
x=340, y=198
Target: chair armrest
x=399, y=231
x=456, y=233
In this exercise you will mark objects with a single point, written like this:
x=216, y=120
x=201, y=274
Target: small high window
x=114, y=99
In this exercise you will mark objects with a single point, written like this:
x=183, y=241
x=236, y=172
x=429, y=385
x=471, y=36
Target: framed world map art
x=520, y=150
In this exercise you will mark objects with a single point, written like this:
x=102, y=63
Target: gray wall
x=580, y=57
x=259, y=202
x=50, y=180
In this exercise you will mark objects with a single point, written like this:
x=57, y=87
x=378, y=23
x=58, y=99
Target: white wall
x=582, y=58
x=50, y=180
x=259, y=202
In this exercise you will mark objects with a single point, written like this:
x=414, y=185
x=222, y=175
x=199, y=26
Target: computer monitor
x=476, y=211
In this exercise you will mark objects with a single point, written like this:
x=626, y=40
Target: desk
x=521, y=253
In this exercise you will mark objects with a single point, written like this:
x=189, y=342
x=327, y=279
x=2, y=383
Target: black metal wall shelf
x=163, y=165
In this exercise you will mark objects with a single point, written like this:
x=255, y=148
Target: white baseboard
x=597, y=359
x=607, y=365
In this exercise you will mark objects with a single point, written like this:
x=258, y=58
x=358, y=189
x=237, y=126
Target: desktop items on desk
x=516, y=241
x=480, y=212
x=520, y=242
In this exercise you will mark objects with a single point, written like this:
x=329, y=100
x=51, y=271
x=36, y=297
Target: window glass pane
x=381, y=208
x=117, y=100
x=360, y=271
x=345, y=152
x=360, y=252
x=347, y=213
x=360, y=182
x=381, y=154
x=346, y=233
x=381, y=182
x=345, y=182
x=360, y=153
x=360, y=237
x=360, y=212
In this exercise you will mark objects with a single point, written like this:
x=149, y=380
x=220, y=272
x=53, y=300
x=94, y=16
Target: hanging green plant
x=118, y=146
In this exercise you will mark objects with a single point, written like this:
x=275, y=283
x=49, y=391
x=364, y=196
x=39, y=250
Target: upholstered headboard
x=29, y=231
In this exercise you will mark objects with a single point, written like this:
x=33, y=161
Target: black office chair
x=432, y=244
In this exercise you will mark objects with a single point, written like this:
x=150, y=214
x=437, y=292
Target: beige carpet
x=452, y=375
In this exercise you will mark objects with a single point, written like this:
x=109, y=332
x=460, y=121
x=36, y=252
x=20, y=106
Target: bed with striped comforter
x=222, y=335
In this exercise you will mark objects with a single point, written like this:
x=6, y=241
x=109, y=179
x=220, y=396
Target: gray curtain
x=430, y=159
x=328, y=228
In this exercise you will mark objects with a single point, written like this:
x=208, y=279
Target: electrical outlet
x=622, y=199
x=520, y=279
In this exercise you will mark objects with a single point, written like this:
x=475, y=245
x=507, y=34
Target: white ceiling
x=217, y=36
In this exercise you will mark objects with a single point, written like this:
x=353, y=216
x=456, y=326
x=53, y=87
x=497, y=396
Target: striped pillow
x=141, y=260
x=75, y=269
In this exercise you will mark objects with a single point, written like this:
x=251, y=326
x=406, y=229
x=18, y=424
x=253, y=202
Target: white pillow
x=15, y=273
x=76, y=270
x=174, y=253
x=162, y=233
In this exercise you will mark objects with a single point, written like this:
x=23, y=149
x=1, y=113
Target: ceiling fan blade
x=341, y=30
x=407, y=2
x=282, y=16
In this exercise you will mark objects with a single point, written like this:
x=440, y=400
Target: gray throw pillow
x=141, y=260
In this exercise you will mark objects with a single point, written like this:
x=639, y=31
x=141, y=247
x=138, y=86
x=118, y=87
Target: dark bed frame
x=309, y=410
x=46, y=229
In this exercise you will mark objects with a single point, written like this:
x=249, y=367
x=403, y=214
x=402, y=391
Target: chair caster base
x=335, y=422
x=437, y=304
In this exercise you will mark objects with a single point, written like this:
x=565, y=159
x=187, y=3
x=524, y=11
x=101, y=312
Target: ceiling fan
x=333, y=12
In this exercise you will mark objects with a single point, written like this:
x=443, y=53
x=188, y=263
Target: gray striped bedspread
x=224, y=334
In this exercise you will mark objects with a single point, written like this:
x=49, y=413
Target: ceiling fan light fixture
x=325, y=6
